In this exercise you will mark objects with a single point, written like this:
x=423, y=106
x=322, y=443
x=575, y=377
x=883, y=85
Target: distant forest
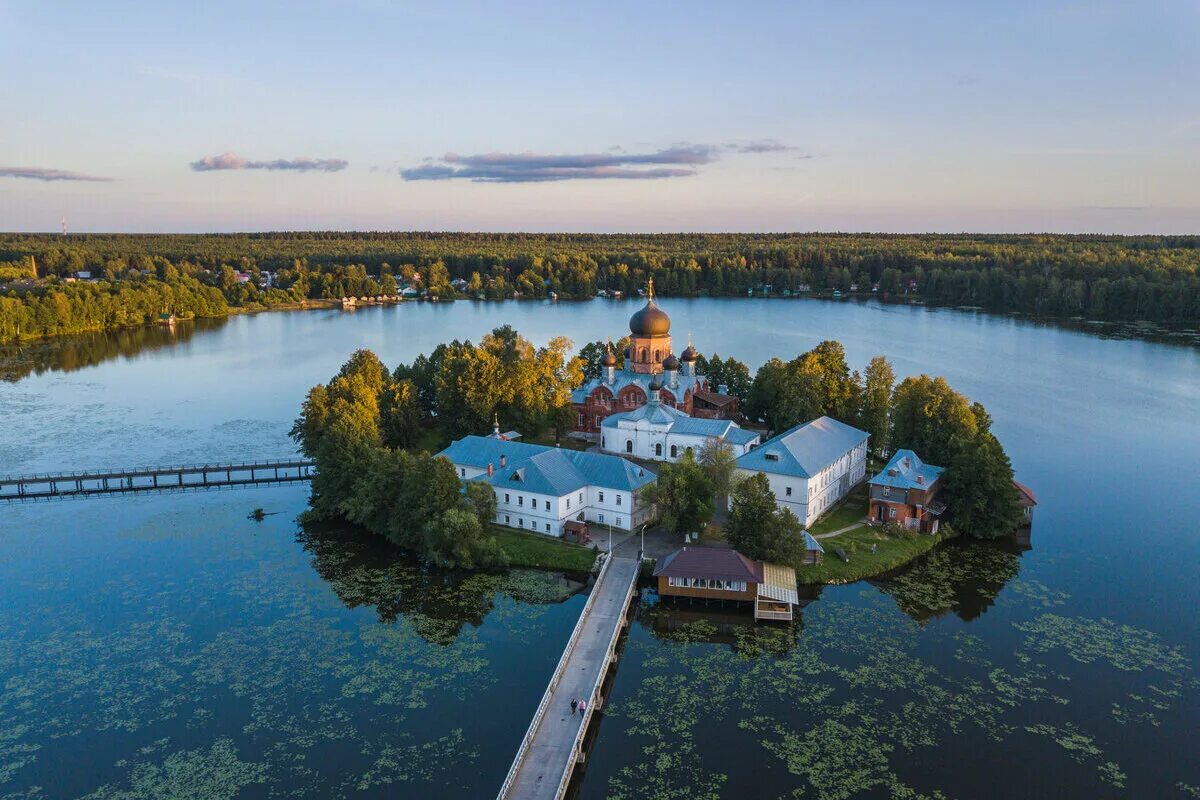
x=135, y=277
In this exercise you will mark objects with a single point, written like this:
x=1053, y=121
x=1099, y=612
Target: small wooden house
x=576, y=531
x=813, y=552
x=1027, y=500
x=716, y=573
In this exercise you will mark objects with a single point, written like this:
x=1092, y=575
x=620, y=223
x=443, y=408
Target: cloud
x=760, y=146
x=40, y=174
x=677, y=161
x=228, y=161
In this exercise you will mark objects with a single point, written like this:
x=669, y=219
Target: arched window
x=674, y=451
x=645, y=355
x=601, y=442
x=658, y=449
x=629, y=445
x=657, y=356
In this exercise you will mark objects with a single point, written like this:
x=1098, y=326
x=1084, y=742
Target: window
x=603, y=443
x=601, y=518
x=619, y=521
x=618, y=499
x=788, y=491
x=602, y=497
x=568, y=502
x=629, y=445
x=658, y=448
x=521, y=522
x=547, y=527
x=520, y=500
x=581, y=498
x=581, y=419
x=892, y=513
x=507, y=519
x=506, y=497
x=657, y=356
x=887, y=491
x=463, y=472
x=674, y=451
x=547, y=505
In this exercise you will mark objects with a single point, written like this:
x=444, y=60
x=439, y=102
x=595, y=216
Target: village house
x=541, y=488
x=809, y=467
x=718, y=573
x=905, y=492
x=658, y=432
x=1028, y=500
x=648, y=362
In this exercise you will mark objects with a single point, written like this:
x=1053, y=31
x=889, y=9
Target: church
x=654, y=405
x=649, y=369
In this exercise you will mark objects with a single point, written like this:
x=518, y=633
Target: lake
x=165, y=643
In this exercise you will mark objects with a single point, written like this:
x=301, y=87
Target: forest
x=1111, y=278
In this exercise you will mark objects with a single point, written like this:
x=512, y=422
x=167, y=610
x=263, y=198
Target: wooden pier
x=553, y=745
x=148, y=479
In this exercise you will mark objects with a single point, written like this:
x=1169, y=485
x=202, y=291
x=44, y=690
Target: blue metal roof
x=804, y=450
x=908, y=467
x=547, y=470
x=811, y=543
x=655, y=413
x=737, y=435
x=681, y=423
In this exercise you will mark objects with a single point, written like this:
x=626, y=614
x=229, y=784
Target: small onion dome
x=655, y=384
x=690, y=354
x=609, y=359
x=650, y=321
x=671, y=363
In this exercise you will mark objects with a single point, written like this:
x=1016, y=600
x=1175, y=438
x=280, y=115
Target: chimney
x=921, y=479
x=503, y=460
x=907, y=462
x=491, y=470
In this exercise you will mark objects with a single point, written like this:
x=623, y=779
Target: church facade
x=649, y=367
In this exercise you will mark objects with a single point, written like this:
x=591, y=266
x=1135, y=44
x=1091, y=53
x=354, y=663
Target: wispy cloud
x=232, y=161
x=677, y=161
x=40, y=174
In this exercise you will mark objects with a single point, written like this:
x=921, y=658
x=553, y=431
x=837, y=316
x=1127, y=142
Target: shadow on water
x=70, y=353
x=366, y=571
x=960, y=577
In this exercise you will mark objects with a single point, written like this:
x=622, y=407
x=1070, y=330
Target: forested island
x=53, y=285
x=373, y=432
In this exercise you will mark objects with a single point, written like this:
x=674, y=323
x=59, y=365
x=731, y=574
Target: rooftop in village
x=906, y=470
x=805, y=450
x=545, y=470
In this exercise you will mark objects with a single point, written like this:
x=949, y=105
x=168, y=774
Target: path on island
x=554, y=742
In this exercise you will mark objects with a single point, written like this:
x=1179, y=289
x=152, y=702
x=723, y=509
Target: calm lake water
x=166, y=643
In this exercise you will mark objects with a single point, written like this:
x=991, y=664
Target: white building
x=811, y=466
x=540, y=488
x=659, y=432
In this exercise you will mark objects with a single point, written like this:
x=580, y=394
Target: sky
x=612, y=116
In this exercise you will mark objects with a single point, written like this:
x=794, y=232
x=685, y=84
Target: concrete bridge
x=553, y=745
x=50, y=486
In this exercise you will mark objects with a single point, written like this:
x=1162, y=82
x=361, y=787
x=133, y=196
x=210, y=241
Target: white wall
x=613, y=441
x=810, y=498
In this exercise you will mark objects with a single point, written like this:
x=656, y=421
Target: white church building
x=659, y=432
x=811, y=466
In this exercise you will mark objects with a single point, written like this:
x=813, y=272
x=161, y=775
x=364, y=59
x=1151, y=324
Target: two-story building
x=541, y=488
x=905, y=492
x=811, y=466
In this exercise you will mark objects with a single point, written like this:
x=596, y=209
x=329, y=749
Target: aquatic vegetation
x=1122, y=647
x=964, y=577
x=1037, y=593
x=214, y=773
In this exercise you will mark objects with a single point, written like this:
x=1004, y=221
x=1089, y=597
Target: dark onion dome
x=650, y=321
x=690, y=354
x=655, y=384
x=609, y=359
x=671, y=363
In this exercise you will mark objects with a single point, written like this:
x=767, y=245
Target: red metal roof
x=1027, y=497
x=710, y=562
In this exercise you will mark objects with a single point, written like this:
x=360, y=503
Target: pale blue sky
x=899, y=116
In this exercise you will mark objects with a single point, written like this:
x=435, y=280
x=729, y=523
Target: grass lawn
x=543, y=552
x=850, y=510
x=890, y=552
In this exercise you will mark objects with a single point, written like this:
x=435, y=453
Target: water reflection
x=364, y=570
x=959, y=577
x=70, y=353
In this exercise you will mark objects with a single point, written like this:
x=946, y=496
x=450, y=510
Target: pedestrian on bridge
x=582, y=707
x=574, y=703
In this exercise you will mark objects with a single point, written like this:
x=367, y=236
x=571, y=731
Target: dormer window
x=772, y=456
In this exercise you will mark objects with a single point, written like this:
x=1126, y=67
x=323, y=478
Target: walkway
x=861, y=523
x=118, y=481
x=553, y=743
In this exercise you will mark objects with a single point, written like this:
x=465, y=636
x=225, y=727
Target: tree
x=876, y=401
x=758, y=528
x=480, y=499
x=683, y=495
x=930, y=418
x=592, y=352
x=718, y=462
x=400, y=414
x=980, y=490
x=455, y=537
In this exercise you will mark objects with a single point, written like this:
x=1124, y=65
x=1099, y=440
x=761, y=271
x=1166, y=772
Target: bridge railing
x=577, y=744
x=43, y=477
x=554, y=679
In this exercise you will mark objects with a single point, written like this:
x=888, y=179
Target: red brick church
x=649, y=365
